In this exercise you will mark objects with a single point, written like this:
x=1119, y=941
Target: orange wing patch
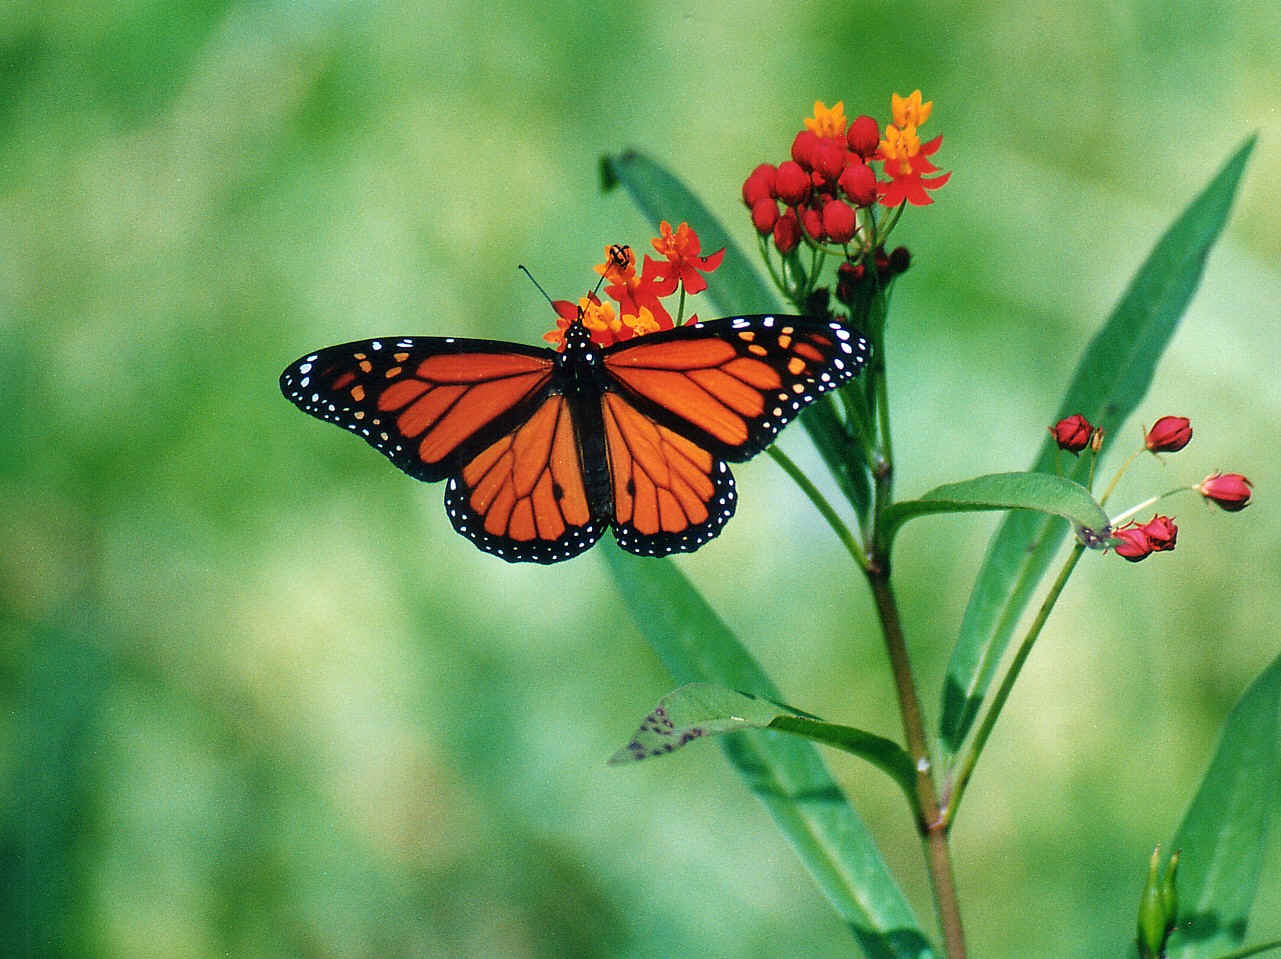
x=737, y=389
x=670, y=495
x=525, y=494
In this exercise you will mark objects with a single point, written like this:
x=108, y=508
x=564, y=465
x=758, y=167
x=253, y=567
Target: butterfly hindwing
x=730, y=385
x=429, y=404
x=670, y=495
x=524, y=497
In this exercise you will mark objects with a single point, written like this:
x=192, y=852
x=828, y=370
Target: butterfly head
x=578, y=339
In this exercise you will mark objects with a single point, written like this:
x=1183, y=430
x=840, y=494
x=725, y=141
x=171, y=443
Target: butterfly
x=541, y=450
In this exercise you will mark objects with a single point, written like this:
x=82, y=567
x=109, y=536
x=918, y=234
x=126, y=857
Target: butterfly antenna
x=537, y=285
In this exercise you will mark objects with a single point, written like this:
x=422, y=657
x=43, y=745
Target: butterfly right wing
x=429, y=404
x=524, y=497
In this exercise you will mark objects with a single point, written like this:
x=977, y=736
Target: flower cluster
x=640, y=297
x=1169, y=434
x=830, y=176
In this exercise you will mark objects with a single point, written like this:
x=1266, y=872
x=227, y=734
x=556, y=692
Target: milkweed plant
x=824, y=219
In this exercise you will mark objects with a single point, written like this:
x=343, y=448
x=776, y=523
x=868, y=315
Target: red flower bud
x=759, y=184
x=811, y=221
x=1161, y=533
x=803, y=148
x=787, y=232
x=859, y=183
x=792, y=183
x=1231, y=491
x=1072, y=433
x=1169, y=434
x=1134, y=544
x=829, y=159
x=839, y=222
x=900, y=259
x=863, y=136
x=764, y=214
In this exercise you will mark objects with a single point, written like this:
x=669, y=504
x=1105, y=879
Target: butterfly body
x=543, y=450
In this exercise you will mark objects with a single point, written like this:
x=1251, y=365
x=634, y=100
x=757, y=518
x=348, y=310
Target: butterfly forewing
x=730, y=385
x=429, y=404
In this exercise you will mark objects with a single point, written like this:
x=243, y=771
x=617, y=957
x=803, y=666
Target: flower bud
x=803, y=148
x=764, y=215
x=811, y=221
x=1072, y=433
x=829, y=159
x=1170, y=893
x=839, y=222
x=1230, y=491
x=858, y=183
x=1169, y=434
x=787, y=232
x=863, y=136
x=1151, y=925
x=792, y=183
x=900, y=260
x=1161, y=533
x=1134, y=544
x=759, y=184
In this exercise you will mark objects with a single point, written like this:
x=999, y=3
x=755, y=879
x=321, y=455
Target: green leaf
x=1042, y=492
x=786, y=773
x=699, y=710
x=735, y=288
x=1113, y=375
x=1223, y=835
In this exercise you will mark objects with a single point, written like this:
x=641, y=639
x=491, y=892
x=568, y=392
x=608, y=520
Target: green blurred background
x=260, y=700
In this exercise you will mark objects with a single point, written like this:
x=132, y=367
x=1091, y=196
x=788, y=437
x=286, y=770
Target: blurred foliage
x=258, y=699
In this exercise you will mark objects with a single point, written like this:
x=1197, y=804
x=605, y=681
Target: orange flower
x=684, y=265
x=831, y=123
x=910, y=111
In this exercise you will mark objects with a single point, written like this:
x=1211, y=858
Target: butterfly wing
x=429, y=404
x=730, y=385
x=524, y=497
x=679, y=403
x=670, y=494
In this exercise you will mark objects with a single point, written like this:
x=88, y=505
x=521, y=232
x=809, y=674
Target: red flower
x=792, y=183
x=681, y=248
x=858, y=182
x=1169, y=434
x=1161, y=533
x=759, y=184
x=838, y=221
x=803, y=148
x=1134, y=544
x=863, y=136
x=1230, y=491
x=787, y=232
x=1072, y=433
x=829, y=159
x=906, y=163
x=764, y=215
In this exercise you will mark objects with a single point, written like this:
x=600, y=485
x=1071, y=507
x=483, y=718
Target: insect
x=542, y=450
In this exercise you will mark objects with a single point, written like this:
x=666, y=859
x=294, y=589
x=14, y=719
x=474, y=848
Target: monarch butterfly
x=542, y=450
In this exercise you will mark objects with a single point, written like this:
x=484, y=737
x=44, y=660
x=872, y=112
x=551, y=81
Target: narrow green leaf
x=1041, y=492
x=786, y=773
x=1113, y=375
x=734, y=288
x=700, y=710
x=1223, y=835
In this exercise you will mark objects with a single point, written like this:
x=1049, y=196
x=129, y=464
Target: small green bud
x=1170, y=893
x=1152, y=927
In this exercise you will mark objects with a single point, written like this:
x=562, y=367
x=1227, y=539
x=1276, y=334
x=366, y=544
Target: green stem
x=820, y=502
x=932, y=826
x=965, y=769
x=1252, y=950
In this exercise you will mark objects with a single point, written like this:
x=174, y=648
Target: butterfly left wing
x=429, y=404
x=730, y=385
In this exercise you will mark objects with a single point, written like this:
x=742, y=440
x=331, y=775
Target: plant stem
x=966, y=767
x=932, y=826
